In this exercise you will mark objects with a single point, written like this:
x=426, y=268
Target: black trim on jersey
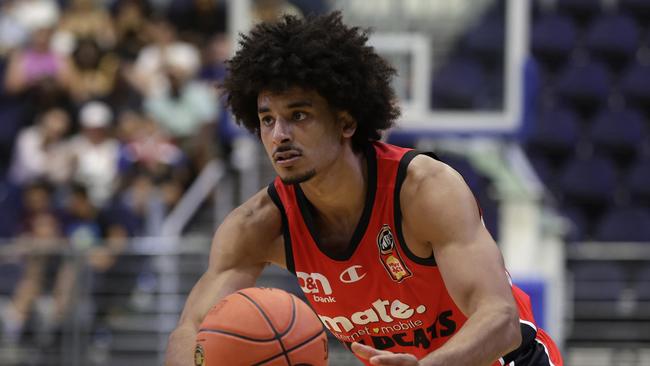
x=306, y=210
x=288, y=250
x=527, y=348
x=401, y=175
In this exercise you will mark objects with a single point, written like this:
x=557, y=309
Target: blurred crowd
x=108, y=111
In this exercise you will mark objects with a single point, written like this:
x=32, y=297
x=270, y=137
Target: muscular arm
x=441, y=214
x=248, y=239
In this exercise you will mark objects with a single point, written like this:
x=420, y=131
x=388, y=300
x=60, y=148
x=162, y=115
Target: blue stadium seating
x=589, y=182
x=637, y=182
x=458, y=85
x=613, y=38
x=624, y=224
x=598, y=281
x=555, y=134
x=619, y=134
x=581, y=10
x=585, y=86
x=635, y=86
x=553, y=38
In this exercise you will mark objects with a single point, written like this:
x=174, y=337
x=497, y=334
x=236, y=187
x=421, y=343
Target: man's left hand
x=383, y=358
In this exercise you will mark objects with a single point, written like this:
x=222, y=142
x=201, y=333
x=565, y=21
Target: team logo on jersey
x=352, y=274
x=316, y=285
x=390, y=257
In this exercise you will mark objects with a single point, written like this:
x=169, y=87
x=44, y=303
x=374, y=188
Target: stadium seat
x=637, y=182
x=555, y=134
x=553, y=39
x=458, y=84
x=642, y=287
x=598, y=281
x=618, y=133
x=635, y=86
x=578, y=226
x=543, y=167
x=585, y=86
x=624, y=224
x=589, y=183
x=581, y=10
x=640, y=9
x=613, y=38
x=486, y=41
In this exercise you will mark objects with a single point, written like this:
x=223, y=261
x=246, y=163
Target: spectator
x=198, y=19
x=272, y=10
x=130, y=27
x=94, y=152
x=86, y=19
x=149, y=73
x=187, y=111
x=37, y=61
x=13, y=33
x=146, y=146
x=44, y=272
x=39, y=151
x=94, y=71
x=80, y=219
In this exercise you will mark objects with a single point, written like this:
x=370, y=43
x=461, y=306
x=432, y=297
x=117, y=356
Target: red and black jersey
x=378, y=292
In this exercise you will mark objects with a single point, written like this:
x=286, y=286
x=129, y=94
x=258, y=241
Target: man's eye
x=267, y=121
x=299, y=116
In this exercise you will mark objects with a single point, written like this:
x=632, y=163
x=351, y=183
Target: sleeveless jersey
x=378, y=292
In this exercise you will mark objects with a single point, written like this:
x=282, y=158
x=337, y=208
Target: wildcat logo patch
x=390, y=257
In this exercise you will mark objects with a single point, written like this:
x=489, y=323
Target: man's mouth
x=286, y=156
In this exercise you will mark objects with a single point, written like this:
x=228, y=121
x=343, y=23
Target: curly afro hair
x=320, y=54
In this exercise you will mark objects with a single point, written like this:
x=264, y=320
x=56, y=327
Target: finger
x=364, y=351
x=396, y=359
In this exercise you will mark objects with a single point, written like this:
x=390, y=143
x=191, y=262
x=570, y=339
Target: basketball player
x=387, y=243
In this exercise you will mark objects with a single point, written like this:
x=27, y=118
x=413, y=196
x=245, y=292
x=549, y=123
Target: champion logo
x=352, y=274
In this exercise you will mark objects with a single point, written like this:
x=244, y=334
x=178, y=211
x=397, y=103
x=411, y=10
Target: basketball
x=261, y=326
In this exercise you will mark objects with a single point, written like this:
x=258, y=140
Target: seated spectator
x=146, y=146
x=37, y=62
x=13, y=33
x=149, y=72
x=79, y=219
x=272, y=10
x=215, y=54
x=94, y=71
x=94, y=153
x=41, y=247
x=87, y=19
x=187, y=111
x=130, y=24
x=39, y=148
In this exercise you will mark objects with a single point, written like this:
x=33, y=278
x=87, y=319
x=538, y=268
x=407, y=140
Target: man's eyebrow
x=296, y=104
x=300, y=103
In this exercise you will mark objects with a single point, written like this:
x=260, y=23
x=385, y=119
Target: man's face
x=300, y=132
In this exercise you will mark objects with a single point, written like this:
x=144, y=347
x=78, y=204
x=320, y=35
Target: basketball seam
x=235, y=335
x=278, y=336
x=291, y=349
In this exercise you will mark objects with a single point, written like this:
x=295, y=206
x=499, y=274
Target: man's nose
x=281, y=131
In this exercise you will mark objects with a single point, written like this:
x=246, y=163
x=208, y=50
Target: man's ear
x=348, y=124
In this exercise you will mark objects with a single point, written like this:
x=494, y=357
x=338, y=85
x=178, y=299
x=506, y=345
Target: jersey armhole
x=288, y=249
x=401, y=175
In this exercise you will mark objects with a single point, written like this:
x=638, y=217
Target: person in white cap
x=95, y=152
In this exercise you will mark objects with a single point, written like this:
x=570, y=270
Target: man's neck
x=338, y=194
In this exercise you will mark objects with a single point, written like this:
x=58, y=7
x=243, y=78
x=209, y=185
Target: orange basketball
x=261, y=326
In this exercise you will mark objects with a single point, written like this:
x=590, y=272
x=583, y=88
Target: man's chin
x=299, y=178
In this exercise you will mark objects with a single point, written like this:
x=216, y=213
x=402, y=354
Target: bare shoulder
x=436, y=202
x=434, y=178
x=251, y=233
